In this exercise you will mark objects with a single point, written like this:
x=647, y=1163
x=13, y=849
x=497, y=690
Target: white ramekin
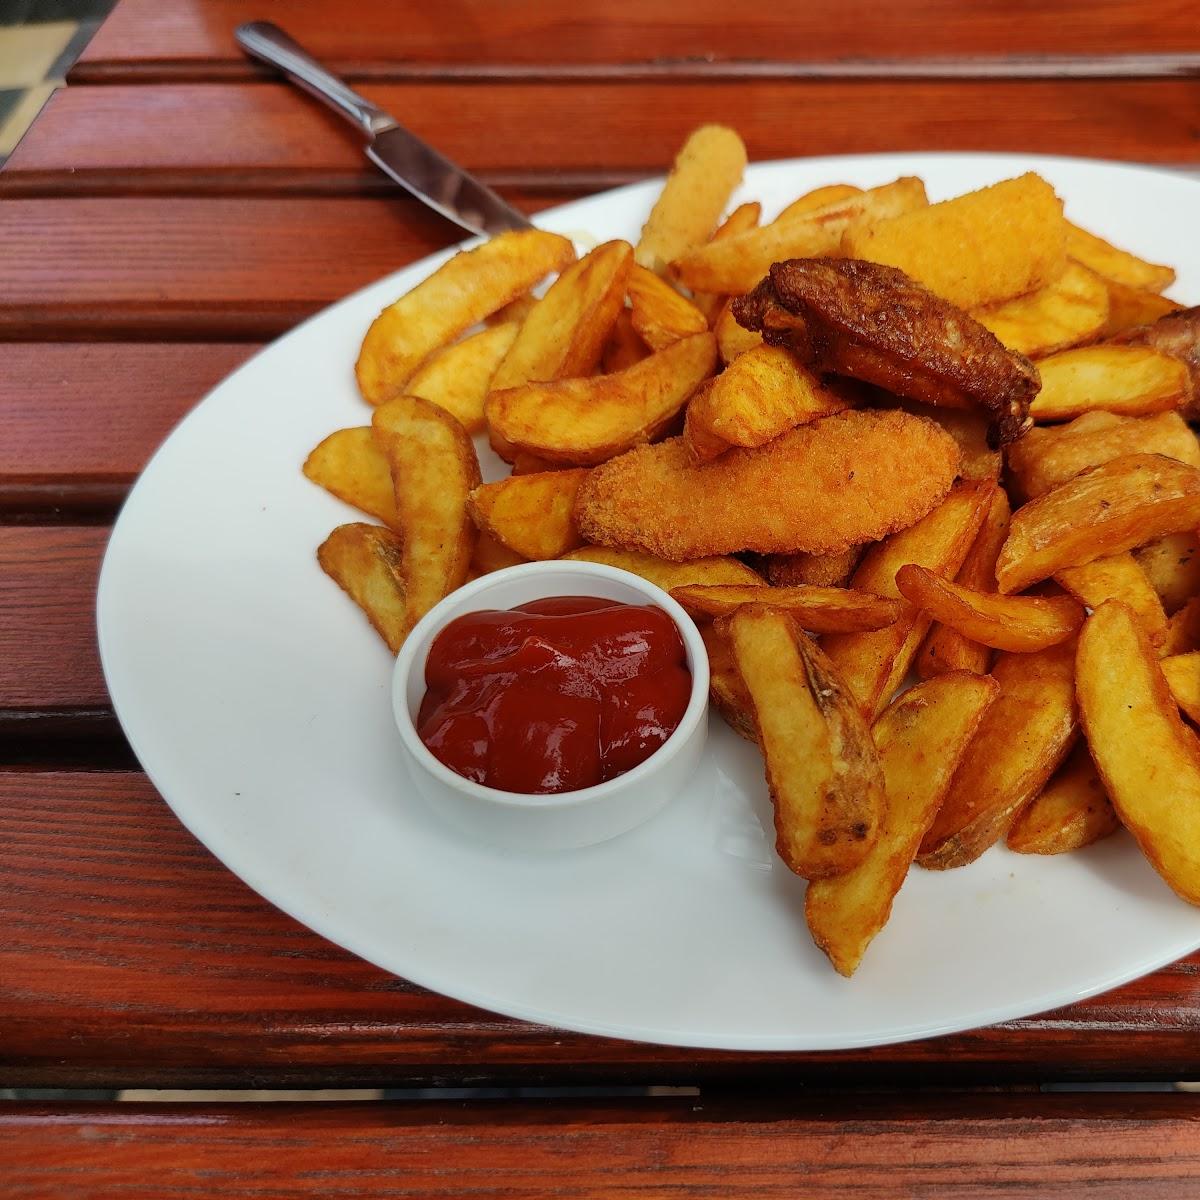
x=570, y=819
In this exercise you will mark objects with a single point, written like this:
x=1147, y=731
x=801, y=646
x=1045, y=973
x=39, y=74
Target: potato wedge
x=349, y=464
x=823, y=771
x=1172, y=565
x=705, y=173
x=530, y=514
x=921, y=737
x=587, y=421
x=946, y=649
x=816, y=609
x=624, y=347
x=1129, y=308
x=660, y=315
x=816, y=570
x=1117, y=577
x=1182, y=673
x=460, y=293
x=515, y=311
x=762, y=393
x=365, y=561
x=459, y=377
x=1125, y=503
x=1071, y=309
x=712, y=571
x=1148, y=759
x=725, y=687
x=1046, y=457
x=1023, y=738
x=1132, y=381
x=1118, y=265
x=490, y=555
x=732, y=339
x=822, y=197
x=434, y=469
x=736, y=264
x=874, y=664
x=1183, y=630
x=1072, y=811
x=564, y=334
x=745, y=216
x=1016, y=623
x=979, y=248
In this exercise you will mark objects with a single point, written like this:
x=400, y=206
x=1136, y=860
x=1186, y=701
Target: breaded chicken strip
x=1177, y=334
x=874, y=323
x=846, y=479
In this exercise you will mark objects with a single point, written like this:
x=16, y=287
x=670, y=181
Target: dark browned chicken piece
x=1177, y=334
x=874, y=323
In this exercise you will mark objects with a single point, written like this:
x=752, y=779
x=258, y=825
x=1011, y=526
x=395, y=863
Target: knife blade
x=423, y=171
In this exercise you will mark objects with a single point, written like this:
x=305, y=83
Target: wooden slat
x=870, y=1148
x=81, y=419
x=152, y=39
x=132, y=958
x=266, y=137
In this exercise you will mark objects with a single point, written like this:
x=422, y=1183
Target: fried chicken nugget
x=874, y=323
x=821, y=488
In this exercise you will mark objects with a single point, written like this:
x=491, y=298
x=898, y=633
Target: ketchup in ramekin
x=554, y=695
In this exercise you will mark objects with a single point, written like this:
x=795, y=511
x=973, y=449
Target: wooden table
x=171, y=210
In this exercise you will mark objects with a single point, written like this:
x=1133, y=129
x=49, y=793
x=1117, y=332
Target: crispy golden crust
x=846, y=479
x=874, y=323
x=1177, y=334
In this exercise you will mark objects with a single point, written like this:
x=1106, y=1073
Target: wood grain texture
x=268, y=138
x=870, y=1148
x=132, y=958
x=79, y=420
x=154, y=39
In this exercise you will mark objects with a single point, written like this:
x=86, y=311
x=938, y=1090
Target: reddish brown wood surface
x=267, y=137
x=871, y=1148
x=149, y=37
x=131, y=957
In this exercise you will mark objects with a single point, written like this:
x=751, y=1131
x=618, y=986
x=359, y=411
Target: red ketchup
x=554, y=695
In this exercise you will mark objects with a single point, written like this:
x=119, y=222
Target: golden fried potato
x=458, y=378
x=586, y=421
x=660, y=315
x=1071, y=309
x=1122, y=504
x=1024, y=737
x=1046, y=457
x=1148, y=759
x=762, y=393
x=1129, y=308
x=1118, y=265
x=946, y=649
x=1072, y=811
x=514, y=312
x=1016, y=623
x=1117, y=577
x=816, y=570
x=736, y=264
x=532, y=515
x=874, y=664
x=1172, y=565
x=920, y=737
x=349, y=464
x=434, y=469
x=1132, y=381
x=624, y=348
x=365, y=562
x=1183, y=630
x=490, y=555
x=706, y=171
x=456, y=296
x=564, y=334
x=817, y=609
x=712, y=571
x=732, y=339
x=822, y=768
x=745, y=216
x=1182, y=673
x=822, y=197
x=725, y=687
x=979, y=248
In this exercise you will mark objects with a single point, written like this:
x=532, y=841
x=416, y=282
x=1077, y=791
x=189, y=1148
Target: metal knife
x=413, y=164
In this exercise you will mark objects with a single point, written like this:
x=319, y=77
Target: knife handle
x=266, y=41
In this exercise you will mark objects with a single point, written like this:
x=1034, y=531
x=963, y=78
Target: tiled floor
x=39, y=40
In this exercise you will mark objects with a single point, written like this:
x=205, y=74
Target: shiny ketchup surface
x=555, y=695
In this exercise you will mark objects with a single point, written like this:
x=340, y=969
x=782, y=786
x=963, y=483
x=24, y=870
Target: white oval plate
x=256, y=697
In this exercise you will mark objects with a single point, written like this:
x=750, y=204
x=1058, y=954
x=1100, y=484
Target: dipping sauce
x=555, y=695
